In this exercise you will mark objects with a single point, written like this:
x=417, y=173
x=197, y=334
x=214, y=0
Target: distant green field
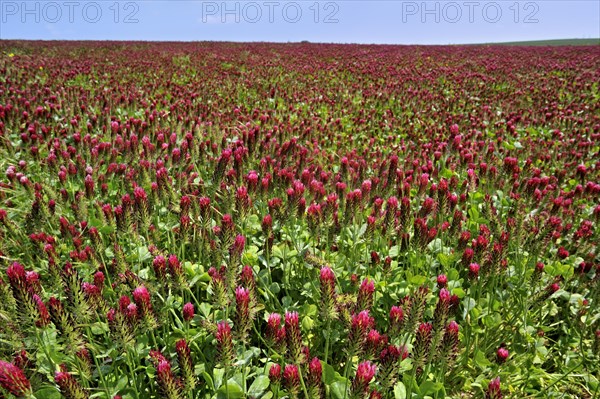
x=556, y=42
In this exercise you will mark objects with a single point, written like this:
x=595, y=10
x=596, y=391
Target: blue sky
x=402, y=22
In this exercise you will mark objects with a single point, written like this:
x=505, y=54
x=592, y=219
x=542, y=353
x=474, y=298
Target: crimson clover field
x=220, y=220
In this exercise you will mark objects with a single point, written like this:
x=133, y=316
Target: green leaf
x=277, y=252
x=435, y=246
x=429, y=387
x=208, y=379
x=468, y=305
x=541, y=352
x=218, y=377
x=399, y=391
x=250, y=256
x=99, y=328
x=231, y=390
x=410, y=381
x=140, y=254
x=259, y=386
x=274, y=288
x=253, y=222
x=247, y=356
x=109, y=253
x=101, y=395
x=307, y=323
x=195, y=280
x=508, y=145
x=286, y=301
x=405, y=365
x=106, y=230
x=445, y=260
x=238, y=378
x=121, y=384
x=337, y=389
x=446, y=173
x=151, y=372
x=481, y=360
x=330, y=375
x=205, y=308
x=309, y=309
x=564, y=270
x=47, y=392
x=93, y=222
x=418, y=280
x=492, y=321
x=453, y=275
x=473, y=213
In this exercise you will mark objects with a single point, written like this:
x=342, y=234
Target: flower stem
x=43, y=345
x=302, y=383
x=132, y=372
x=89, y=332
x=327, y=335
x=346, y=370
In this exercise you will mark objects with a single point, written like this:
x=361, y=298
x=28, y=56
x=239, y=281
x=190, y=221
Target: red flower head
x=17, y=276
x=167, y=383
x=315, y=372
x=242, y=312
x=267, y=224
x=442, y=281
x=474, y=270
x=69, y=386
x=238, y=245
x=99, y=280
x=159, y=265
x=291, y=378
x=444, y=296
x=494, y=391
x=502, y=354
x=140, y=196
x=13, y=379
x=224, y=342
x=293, y=336
x=327, y=279
x=44, y=316
x=396, y=319
x=422, y=344
x=364, y=374
x=141, y=296
x=188, y=311
x=273, y=324
x=364, y=301
x=275, y=374
x=186, y=366
x=247, y=280
x=539, y=267
x=360, y=324
x=562, y=253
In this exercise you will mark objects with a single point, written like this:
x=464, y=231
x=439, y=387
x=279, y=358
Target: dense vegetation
x=298, y=220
